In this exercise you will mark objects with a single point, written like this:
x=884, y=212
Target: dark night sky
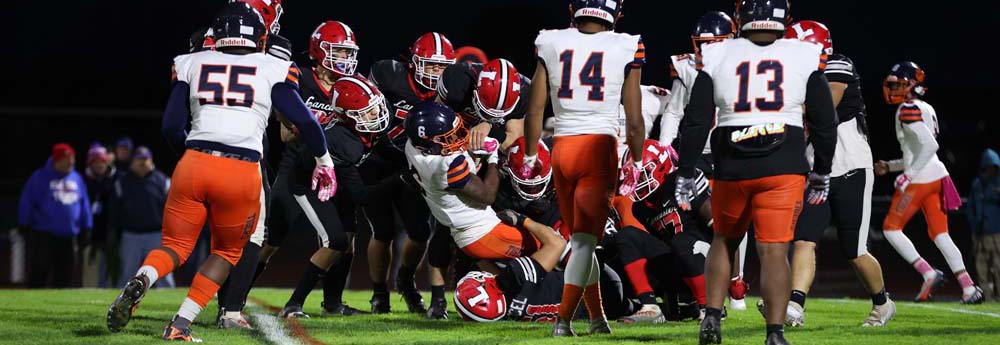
x=117, y=54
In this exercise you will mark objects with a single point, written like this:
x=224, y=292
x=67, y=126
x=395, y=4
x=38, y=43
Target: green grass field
x=78, y=317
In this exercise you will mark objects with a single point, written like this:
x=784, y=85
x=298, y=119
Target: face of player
x=340, y=53
x=434, y=68
x=64, y=165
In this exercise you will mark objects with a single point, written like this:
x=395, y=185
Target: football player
x=851, y=180
x=361, y=115
x=215, y=87
x=589, y=70
x=761, y=85
x=924, y=184
x=713, y=26
x=488, y=97
x=404, y=87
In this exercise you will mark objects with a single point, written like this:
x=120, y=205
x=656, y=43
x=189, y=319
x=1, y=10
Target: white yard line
x=928, y=306
x=272, y=327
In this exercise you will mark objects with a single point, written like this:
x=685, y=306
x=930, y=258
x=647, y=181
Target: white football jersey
x=908, y=115
x=761, y=84
x=654, y=101
x=586, y=74
x=230, y=95
x=441, y=177
x=684, y=70
x=852, y=152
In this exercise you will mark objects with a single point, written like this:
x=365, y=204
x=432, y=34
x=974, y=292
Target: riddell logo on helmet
x=591, y=12
x=765, y=25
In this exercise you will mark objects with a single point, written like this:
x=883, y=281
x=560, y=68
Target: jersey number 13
x=776, y=101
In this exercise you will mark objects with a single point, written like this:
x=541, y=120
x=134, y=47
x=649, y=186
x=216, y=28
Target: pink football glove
x=528, y=166
x=630, y=178
x=902, y=181
x=324, y=178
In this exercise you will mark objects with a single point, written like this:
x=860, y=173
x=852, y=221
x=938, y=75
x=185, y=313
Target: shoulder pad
x=909, y=113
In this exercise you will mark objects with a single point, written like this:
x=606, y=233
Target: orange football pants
x=225, y=190
x=772, y=203
x=503, y=242
x=925, y=197
x=623, y=206
x=585, y=172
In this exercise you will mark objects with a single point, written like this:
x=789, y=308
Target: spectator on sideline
x=123, y=154
x=54, y=209
x=137, y=212
x=983, y=212
x=100, y=181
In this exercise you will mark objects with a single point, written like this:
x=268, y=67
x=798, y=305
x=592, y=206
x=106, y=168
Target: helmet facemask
x=495, y=116
x=455, y=140
x=424, y=78
x=373, y=118
x=275, y=26
x=647, y=183
x=530, y=189
x=336, y=61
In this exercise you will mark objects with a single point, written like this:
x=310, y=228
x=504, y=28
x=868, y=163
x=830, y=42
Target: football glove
x=819, y=188
x=528, y=166
x=491, y=148
x=902, y=181
x=630, y=177
x=324, y=178
x=512, y=218
x=684, y=192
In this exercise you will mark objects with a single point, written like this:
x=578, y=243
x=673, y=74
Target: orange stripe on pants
x=585, y=172
x=772, y=203
x=225, y=190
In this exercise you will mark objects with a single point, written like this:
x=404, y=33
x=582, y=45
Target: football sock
x=405, y=276
x=880, y=298
x=437, y=292
x=647, y=298
x=924, y=268
x=202, y=290
x=697, y=286
x=233, y=293
x=798, y=297
x=308, y=281
x=150, y=273
x=775, y=329
x=334, y=281
x=157, y=264
x=713, y=312
x=636, y=271
x=261, y=266
x=743, y=254
x=902, y=244
x=380, y=288
x=592, y=299
x=570, y=300
x=968, y=287
x=950, y=251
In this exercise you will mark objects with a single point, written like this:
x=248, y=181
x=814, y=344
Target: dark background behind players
x=79, y=71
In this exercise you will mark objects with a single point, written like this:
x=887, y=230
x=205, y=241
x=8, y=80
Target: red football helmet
x=269, y=10
x=431, y=48
x=811, y=31
x=534, y=187
x=657, y=163
x=478, y=298
x=360, y=105
x=329, y=37
x=497, y=91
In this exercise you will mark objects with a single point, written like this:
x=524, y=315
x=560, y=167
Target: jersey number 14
x=590, y=75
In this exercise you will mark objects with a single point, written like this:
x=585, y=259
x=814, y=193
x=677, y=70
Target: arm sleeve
x=27, y=202
x=821, y=120
x=287, y=100
x=459, y=173
x=638, y=59
x=175, y=117
x=918, y=133
x=895, y=165
x=671, y=120
x=697, y=124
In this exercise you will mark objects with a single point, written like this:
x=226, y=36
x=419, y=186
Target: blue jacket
x=983, y=209
x=138, y=201
x=54, y=202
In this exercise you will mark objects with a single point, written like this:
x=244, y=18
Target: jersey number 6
x=590, y=75
x=232, y=86
x=774, y=86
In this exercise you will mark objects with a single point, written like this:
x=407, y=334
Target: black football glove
x=512, y=218
x=819, y=188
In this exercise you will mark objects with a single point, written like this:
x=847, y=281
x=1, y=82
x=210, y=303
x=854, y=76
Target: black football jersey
x=316, y=97
x=660, y=214
x=840, y=69
x=402, y=93
x=456, y=86
x=345, y=148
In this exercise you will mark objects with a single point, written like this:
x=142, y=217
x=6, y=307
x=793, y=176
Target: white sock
x=150, y=273
x=595, y=271
x=579, y=266
x=189, y=309
x=234, y=314
x=950, y=252
x=742, y=254
x=902, y=244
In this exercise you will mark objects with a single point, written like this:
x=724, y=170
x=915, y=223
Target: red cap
x=62, y=150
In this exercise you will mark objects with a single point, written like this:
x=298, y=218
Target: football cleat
x=650, y=313
x=599, y=326
x=975, y=298
x=120, y=311
x=562, y=328
x=711, y=331
x=762, y=308
x=737, y=304
x=293, y=311
x=414, y=301
x=701, y=313
x=880, y=315
x=776, y=338
x=927, y=288
x=178, y=334
x=795, y=315
x=225, y=321
x=380, y=303
x=340, y=309
x=438, y=309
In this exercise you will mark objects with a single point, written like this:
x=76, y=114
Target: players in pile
x=761, y=86
x=924, y=183
x=214, y=87
x=404, y=86
x=589, y=70
x=713, y=26
x=851, y=182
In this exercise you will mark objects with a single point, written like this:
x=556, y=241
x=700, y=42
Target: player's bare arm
x=483, y=190
x=536, y=109
x=837, y=89
x=515, y=129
